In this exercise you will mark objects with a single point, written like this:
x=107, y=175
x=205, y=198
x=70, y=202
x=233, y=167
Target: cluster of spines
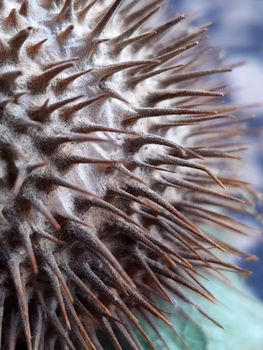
x=69, y=276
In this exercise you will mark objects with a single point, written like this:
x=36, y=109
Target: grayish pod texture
x=115, y=153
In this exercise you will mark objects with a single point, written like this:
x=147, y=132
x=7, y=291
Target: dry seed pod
x=105, y=171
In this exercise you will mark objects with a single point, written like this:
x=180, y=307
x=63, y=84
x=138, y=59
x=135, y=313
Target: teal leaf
x=236, y=310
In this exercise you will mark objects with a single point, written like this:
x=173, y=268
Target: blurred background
x=238, y=29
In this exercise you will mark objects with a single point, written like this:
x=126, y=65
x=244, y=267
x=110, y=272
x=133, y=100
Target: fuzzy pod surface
x=115, y=153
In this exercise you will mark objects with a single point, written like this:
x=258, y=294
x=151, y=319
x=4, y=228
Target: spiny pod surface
x=116, y=155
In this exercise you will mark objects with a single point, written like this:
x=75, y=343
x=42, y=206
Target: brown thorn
x=22, y=174
x=161, y=95
x=55, y=322
x=34, y=49
x=118, y=46
x=65, y=14
x=128, y=173
x=154, y=328
x=22, y=299
x=13, y=20
x=102, y=73
x=37, y=328
x=43, y=112
x=46, y=235
x=189, y=121
x=62, y=84
x=103, y=309
x=54, y=267
x=39, y=83
x=24, y=8
x=195, y=187
x=56, y=287
x=169, y=24
x=63, y=35
x=164, y=112
x=40, y=207
x=82, y=13
x=25, y=232
x=69, y=112
x=88, y=128
x=60, y=182
x=7, y=79
x=105, y=18
x=58, y=63
x=154, y=277
x=193, y=75
x=133, y=28
x=170, y=55
x=145, y=9
x=139, y=78
x=16, y=42
x=108, y=330
x=49, y=144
